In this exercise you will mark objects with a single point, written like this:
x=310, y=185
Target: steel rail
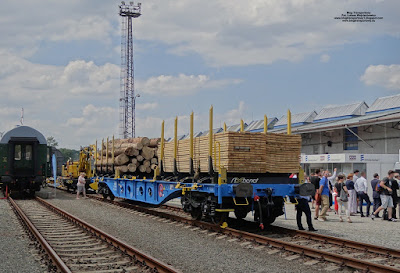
x=341, y=242
x=46, y=246
x=327, y=239
x=303, y=250
x=145, y=259
x=314, y=253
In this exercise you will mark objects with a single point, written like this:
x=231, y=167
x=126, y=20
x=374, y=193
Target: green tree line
x=67, y=153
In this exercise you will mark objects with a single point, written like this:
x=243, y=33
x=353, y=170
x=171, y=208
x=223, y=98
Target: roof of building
x=374, y=118
x=341, y=111
x=197, y=134
x=215, y=131
x=385, y=104
x=21, y=132
x=257, y=125
x=235, y=128
x=297, y=119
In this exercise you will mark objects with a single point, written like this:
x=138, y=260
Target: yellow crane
x=72, y=170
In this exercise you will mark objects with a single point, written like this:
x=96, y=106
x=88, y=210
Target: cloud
x=78, y=102
x=234, y=116
x=387, y=76
x=232, y=33
x=55, y=21
x=230, y=117
x=93, y=123
x=88, y=78
x=147, y=106
x=182, y=84
x=77, y=78
x=52, y=97
x=86, y=28
x=324, y=58
x=259, y=32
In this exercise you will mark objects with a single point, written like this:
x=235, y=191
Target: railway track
x=342, y=252
x=76, y=246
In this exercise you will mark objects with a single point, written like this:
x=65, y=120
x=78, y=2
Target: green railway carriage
x=24, y=160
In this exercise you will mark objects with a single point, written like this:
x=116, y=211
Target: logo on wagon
x=244, y=180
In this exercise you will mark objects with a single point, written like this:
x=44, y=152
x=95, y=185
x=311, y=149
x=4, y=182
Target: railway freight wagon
x=24, y=160
x=216, y=174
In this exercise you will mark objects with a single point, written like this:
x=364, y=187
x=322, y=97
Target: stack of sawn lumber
x=283, y=153
x=241, y=152
x=131, y=155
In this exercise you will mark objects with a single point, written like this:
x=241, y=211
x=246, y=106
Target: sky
x=60, y=62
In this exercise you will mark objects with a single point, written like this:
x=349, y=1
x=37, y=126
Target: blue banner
x=54, y=163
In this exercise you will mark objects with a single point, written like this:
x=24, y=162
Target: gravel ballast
x=186, y=250
x=16, y=254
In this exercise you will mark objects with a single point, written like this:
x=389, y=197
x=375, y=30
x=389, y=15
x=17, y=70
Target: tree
x=52, y=142
x=69, y=153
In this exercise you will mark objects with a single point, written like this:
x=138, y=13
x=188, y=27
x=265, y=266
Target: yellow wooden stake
x=107, y=155
x=113, y=149
x=265, y=124
x=176, y=138
x=101, y=158
x=191, y=135
x=95, y=156
x=210, y=133
x=162, y=141
x=289, y=122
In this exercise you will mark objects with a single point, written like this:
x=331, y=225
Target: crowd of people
x=348, y=193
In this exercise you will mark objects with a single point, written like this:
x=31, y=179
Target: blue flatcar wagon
x=215, y=174
x=24, y=160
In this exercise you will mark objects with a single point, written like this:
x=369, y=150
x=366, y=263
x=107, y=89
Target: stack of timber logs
x=131, y=155
x=240, y=152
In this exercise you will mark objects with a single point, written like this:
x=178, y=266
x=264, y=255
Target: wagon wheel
x=219, y=217
x=241, y=212
x=196, y=213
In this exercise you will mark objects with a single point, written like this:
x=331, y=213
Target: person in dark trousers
x=301, y=207
x=361, y=188
x=375, y=195
x=315, y=181
x=397, y=178
x=395, y=187
x=386, y=196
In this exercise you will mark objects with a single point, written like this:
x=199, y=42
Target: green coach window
x=28, y=152
x=17, y=153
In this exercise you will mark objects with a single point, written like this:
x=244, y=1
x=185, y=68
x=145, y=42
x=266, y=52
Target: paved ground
x=363, y=229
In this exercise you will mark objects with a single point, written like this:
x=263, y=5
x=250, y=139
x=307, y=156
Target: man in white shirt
x=81, y=185
x=361, y=188
x=356, y=174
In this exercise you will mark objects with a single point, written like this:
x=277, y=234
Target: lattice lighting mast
x=127, y=95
